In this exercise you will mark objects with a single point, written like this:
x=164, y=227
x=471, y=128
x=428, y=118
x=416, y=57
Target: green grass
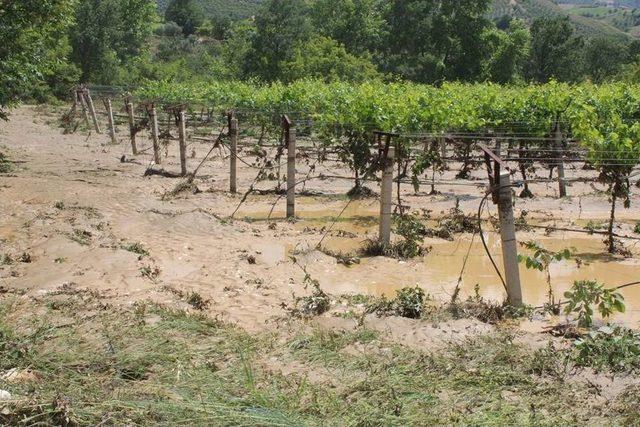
x=151, y=365
x=5, y=164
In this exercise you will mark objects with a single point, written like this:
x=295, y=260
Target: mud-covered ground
x=77, y=216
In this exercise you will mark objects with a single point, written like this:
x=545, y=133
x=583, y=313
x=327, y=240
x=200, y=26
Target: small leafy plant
x=585, y=294
x=541, y=259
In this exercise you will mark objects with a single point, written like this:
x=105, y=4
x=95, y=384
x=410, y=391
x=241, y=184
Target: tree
x=108, y=34
x=556, y=52
x=604, y=58
x=281, y=25
x=325, y=59
x=507, y=52
x=359, y=25
x=33, y=46
x=432, y=40
x=186, y=13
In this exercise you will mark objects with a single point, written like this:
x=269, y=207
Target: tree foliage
x=33, y=47
x=108, y=34
x=186, y=13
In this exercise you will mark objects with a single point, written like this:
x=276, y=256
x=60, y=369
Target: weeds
x=150, y=272
x=6, y=259
x=6, y=165
x=82, y=237
x=342, y=258
x=616, y=349
x=25, y=257
x=408, y=302
x=136, y=248
x=115, y=368
x=196, y=301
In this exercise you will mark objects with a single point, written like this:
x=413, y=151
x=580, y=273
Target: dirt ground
x=74, y=208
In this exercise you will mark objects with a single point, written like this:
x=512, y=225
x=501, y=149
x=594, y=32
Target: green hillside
x=233, y=9
x=595, y=24
x=529, y=10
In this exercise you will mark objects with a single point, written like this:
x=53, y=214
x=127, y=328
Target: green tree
x=432, y=40
x=604, y=58
x=33, y=47
x=186, y=13
x=359, y=25
x=108, y=34
x=323, y=58
x=556, y=52
x=281, y=26
x=507, y=52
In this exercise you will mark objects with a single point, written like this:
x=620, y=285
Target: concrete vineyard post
x=112, y=125
x=182, y=128
x=132, y=128
x=83, y=104
x=562, y=187
x=92, y=110
x=153, y=115
x=291, y=172
x=233, y=135
x=508, y=238
x=386, y=195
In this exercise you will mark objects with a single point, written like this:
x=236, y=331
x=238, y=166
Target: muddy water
x=439, y=271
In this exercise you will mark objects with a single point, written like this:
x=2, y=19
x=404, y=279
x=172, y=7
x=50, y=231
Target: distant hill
x=232, y=9
x=591, y=17
x=529, y=10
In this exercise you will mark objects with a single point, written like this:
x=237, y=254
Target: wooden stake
x=92, y=110
x=562, y=187
x=182, y=128
x=386, y=195
x=233, y=135
x=132, y=128
x=291, y=173
x=508, y=238
x=112, y=126
x=153, y=116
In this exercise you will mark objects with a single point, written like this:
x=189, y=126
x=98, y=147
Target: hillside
x=233, y=9
x=529, y=10
x=588, y=19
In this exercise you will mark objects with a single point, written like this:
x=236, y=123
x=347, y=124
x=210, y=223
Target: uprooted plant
x=409, y=302
x=412, y=231
x=311, y=305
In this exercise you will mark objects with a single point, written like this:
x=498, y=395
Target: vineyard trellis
x=372, y=129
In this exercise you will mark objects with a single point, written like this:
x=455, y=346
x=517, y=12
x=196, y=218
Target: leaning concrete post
x=83, y=104
x=153, y=116
x=291, y=173
x=182, y=128
x=386, y=195
x=233, y=160
x=562, y=187
x=112, y=125
x=508, y=238
x=92, y=110
x=132, y=128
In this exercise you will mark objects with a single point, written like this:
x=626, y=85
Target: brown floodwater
x=440, y=270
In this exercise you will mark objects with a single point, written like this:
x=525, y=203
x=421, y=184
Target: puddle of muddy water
x=439, y=271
